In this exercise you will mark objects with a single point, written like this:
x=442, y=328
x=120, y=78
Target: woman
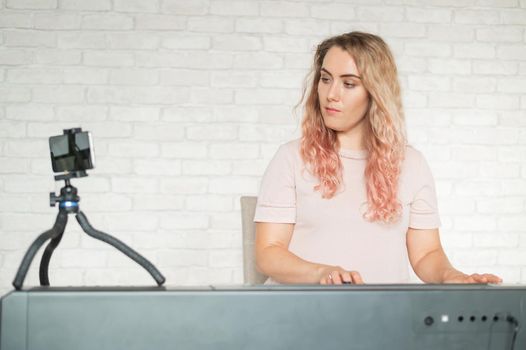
x=351, y=202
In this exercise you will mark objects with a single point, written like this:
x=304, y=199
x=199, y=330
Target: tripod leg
x=46, y=257
x=132, y=254
x=56, y=230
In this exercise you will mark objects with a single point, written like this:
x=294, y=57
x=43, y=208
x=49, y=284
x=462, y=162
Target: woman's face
x=342, y=97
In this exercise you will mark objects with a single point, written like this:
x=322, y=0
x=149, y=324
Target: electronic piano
x=266, y=317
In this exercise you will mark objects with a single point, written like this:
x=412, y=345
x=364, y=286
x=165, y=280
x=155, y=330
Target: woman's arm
x=431, y=264
x=275, y=260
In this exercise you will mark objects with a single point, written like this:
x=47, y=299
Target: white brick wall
x=188, y=101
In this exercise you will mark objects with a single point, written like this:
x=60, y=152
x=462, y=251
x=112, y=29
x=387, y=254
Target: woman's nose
x=334, y=92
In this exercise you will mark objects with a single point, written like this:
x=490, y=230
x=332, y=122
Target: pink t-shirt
x=333, y=231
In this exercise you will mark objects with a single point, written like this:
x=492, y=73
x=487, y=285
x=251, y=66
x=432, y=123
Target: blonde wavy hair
x=385, y=135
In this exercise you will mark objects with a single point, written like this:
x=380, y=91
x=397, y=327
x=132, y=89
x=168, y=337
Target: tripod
x=69, y=204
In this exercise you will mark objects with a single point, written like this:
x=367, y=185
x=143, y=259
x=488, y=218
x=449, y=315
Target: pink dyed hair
x=385, y=137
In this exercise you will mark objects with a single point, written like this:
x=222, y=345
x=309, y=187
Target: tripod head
x=68, y=199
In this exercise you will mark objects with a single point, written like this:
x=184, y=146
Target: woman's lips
x=332, y=110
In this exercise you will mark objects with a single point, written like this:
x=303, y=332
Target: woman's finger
x=336, y=278
x=356, y=278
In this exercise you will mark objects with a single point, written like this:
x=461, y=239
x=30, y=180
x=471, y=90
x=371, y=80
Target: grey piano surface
x=264, y=317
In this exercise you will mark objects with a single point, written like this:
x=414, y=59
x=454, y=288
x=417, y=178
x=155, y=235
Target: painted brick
x=451, y=33
x=30, y=38
x=14, y=94
x=13, y=165
x=508, y=205
x=429, y=83
x=265, y=96
x=108, y=59
x=220, y=132
x=307, y=27
x=450, y=66
x=133, y=40
x=208, y=203
x=283, y=9
x=476, y=16
x=159, y=132
x=81, y=40
x=403, y=30
x=185, y=60
x=191, y=150
x=157, y=202
x=186, y=7
x=240, y=114
x=136, y=6
x=216, y=96
x=58, y=57
x=80, y=5
x=187, y=114
x=81, y=113
x=428, y=49
x=515, y=16
x=236, y=43
x=285, y=44
x=30, y=112
x=229, y=185
x=158, y=22
x=495, y=68
x=380, y=14
x=258, y=25
x=16, y=20
x=512, y=85
x=184, y=185
x=474, y=51
x=57, y=21
x=133, y=77
x=225, y=258
x=282, y=79
x=134, y=113
x=85, y=75
x=142, y=95
x=177, y=258
x=454, y=100
x=234, y=8
x=263, y=60
x=429, y=15
x=206, y=167
x=511, y=52
x=134, y=185
x=34, y=76
x=210, y=25
x=192, y=42
x=233, y=79
x=298, y=61
x=500, y=34
x=133, y=149
x=31, y=4
x=496, y=102
x=234, y=151
x=58, y=94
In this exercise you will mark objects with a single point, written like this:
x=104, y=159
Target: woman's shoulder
x=290, y=149
x=412, y=154
x=415, y=163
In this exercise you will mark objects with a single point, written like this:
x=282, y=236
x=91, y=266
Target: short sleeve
x=423, y=208
x=277, y=196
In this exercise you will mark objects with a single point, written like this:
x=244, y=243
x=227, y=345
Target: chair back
x=250, y=273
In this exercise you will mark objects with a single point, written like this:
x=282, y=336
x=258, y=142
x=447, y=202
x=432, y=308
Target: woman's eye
x=324, y=79
x=349, y=85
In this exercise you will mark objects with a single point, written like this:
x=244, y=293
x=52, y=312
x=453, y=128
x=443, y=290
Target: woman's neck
x=352, y=141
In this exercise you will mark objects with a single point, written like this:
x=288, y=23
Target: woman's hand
x=459, y=277
x=337, y=275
